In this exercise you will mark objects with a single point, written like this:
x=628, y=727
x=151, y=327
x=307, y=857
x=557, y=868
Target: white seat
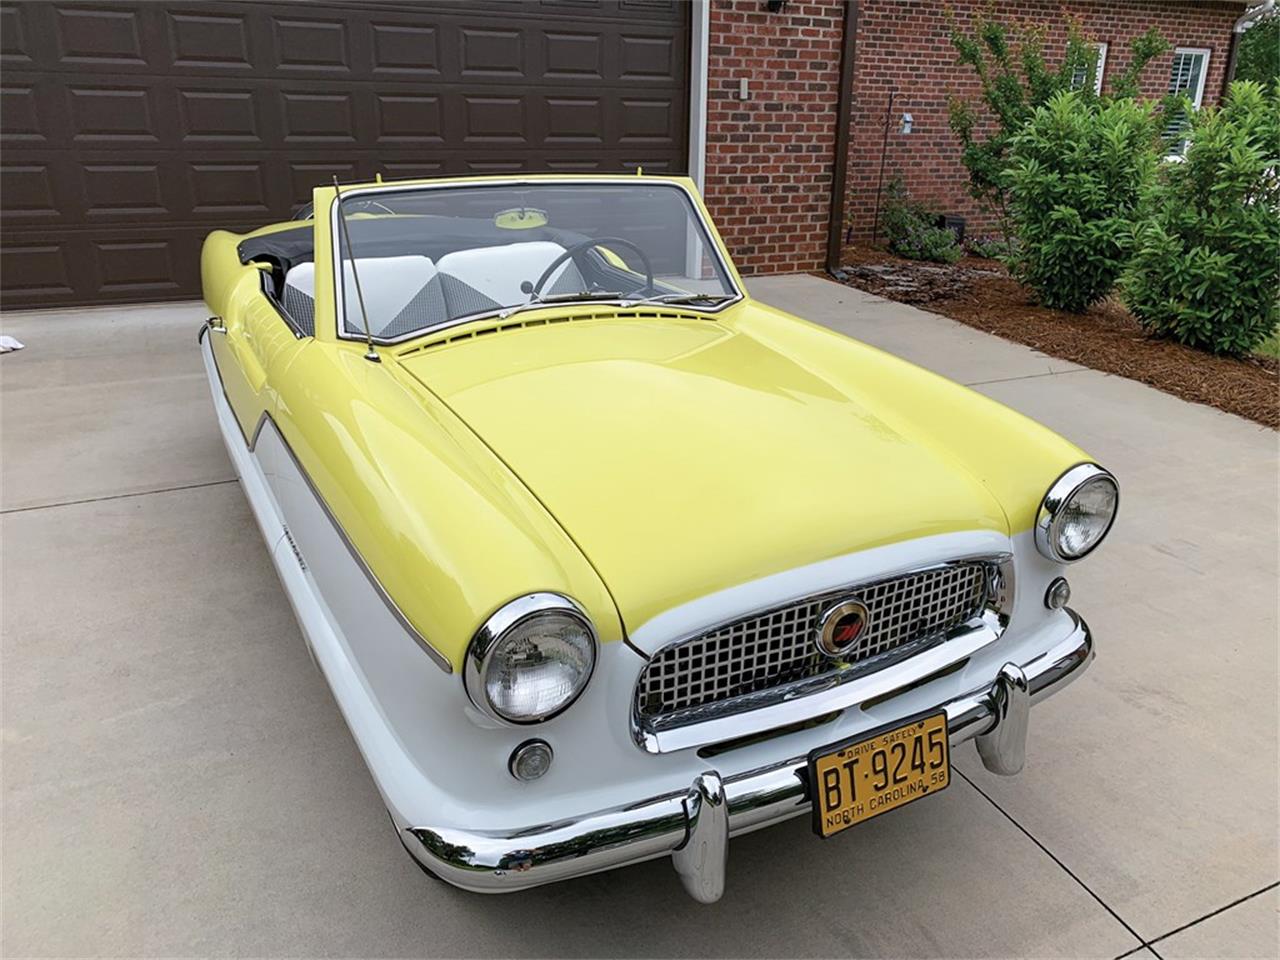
x=497, y=272
x=388, y=285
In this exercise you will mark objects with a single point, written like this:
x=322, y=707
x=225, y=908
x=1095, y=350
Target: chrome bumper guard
x=693, y=826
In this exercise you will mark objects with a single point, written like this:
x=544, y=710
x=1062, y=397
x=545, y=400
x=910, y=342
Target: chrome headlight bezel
x=488, y=638
x=1052, y=510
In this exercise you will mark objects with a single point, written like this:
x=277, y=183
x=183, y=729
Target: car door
x=258, y=345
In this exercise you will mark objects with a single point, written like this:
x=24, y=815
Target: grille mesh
x=776, y=647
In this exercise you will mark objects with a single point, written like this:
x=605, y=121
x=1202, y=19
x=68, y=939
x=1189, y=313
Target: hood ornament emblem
x=841, y=627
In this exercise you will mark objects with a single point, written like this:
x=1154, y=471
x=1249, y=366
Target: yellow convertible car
x=605, y=561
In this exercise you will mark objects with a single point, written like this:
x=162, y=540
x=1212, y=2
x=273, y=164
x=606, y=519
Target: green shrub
x=1077, y=174
x=1016, y=78
x=912, y=229
x=1258, y=50
x=988, y=247
x=1206, y=269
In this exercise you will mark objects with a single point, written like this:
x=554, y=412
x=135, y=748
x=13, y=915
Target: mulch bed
x=980, y=293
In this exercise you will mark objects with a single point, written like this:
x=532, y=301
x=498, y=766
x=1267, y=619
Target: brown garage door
x=132, y=129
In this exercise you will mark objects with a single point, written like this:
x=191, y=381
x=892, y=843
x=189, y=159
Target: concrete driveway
x=177, y=781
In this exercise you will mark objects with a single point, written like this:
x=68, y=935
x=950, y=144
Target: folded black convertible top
x=284, y=249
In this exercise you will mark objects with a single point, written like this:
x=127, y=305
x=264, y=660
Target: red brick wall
x=903, y=46
x=769, y=158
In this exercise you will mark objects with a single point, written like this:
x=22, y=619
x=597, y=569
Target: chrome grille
x=776, y=647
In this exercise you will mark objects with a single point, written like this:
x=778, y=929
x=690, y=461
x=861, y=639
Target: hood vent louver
x=614, y=314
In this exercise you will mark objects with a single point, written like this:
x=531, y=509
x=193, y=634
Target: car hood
x=685, y=455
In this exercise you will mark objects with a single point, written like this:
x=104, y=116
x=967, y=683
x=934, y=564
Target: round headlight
x=1076, y=513
x=531, y=659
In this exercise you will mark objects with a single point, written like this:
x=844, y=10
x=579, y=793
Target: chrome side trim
x=1059, y=493
x=339, y=275
x=499, y=861
x=251, y=442
x=839, y=689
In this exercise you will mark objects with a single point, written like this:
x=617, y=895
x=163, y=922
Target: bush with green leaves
x=1016, y=78
x=1258, y=50
x=912, y=229
x=1076, y=178
x=1206, y=266
x=988, y=247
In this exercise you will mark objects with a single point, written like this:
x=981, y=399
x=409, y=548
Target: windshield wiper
x=688, y=298
x=559, y=298
x=627, y=301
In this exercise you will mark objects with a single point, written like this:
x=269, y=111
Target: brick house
x=130, y=128
x=770, y=157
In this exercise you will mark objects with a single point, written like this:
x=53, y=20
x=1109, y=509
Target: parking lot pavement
x=177, y=780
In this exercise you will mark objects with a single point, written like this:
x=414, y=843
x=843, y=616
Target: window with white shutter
x=1078, y=78
x=1186, y=76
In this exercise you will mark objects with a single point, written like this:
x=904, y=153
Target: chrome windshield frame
x=339, y=275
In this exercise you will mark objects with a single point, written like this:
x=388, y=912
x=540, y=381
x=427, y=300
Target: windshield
x=426, y=257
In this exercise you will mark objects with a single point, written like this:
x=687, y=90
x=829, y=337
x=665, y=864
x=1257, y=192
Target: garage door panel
x=99, y=36
x=310, y=44
x=409, y=118
x=202, y=40
x=412, y=169
x=579, y=120
x=312, y=118
x=573, y=55
x=405, y=49
x=38, y=270
x=80, y=267
x=113, y=112
x=306, y=175
x=135, y=190
x=220, y=115
x=132, y=128
x=229, y=188
x=643, y=57
x=140, y=266
x=20, y=112
x=28, y=191
x=14, y=32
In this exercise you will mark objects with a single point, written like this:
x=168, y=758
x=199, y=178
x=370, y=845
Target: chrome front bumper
x=693, y=826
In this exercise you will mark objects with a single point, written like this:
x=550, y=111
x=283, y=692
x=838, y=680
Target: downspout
x=844, y=110
x=1246, y=21
x=699, y=43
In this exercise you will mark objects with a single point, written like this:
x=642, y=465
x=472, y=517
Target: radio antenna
x=371, y=354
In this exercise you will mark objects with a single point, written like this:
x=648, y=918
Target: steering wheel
x=367, y=205
x=535, y=289
x=358, y=205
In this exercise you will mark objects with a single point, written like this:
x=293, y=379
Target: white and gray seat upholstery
x=491, y=276
x=299, y=297
x=401, y=294
x=393, y=289
x=408, y=293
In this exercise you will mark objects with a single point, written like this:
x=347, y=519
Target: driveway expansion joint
x=1198, y=920
x=1143, y=944
x=1028, y=376
x=118, y=496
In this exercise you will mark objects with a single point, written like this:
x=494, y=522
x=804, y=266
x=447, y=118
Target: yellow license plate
x=860, y=779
